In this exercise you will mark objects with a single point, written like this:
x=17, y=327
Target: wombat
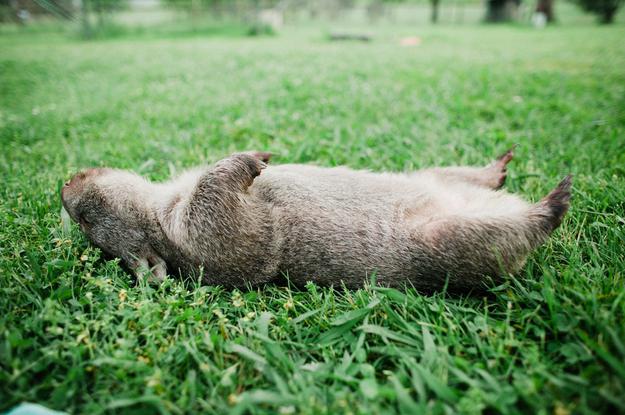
x=242, y=222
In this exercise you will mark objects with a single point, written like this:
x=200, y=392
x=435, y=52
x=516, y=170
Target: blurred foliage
x=219, y=8
x=116, y=18
x=604, y=9
x=501, y=10
x=19, y=11
x=96, y=15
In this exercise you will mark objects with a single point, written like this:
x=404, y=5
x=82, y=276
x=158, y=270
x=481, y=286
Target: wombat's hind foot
x=557, y=202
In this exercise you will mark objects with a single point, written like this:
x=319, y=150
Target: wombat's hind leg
x=555, y=205
x=470, y=247
x=492, y=176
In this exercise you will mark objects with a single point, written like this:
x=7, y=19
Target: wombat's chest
x=339, y=190
x=314, y=210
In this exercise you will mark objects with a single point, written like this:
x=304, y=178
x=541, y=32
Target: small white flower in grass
x=237, y=300
x=220, y=316
x=560, y=409
x=55, y=330
x=83, y=337
x=312, y=366
x=153, y=382
x=198, y=302
x=89, y=295
x=233, y=399
x=84, y=257
x=249, y=316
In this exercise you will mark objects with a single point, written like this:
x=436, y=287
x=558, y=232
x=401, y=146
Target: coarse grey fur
x=327, y=225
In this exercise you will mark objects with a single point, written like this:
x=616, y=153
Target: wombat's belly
x=329, y=225
x=323, y=245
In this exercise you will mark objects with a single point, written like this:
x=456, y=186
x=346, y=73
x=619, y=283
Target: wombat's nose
x=72, y=186
x=76, y=184
x=65, y=192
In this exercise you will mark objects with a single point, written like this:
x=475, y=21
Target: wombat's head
x=110, y=207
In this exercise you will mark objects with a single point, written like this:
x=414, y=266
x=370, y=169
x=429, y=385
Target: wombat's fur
x=326, y=225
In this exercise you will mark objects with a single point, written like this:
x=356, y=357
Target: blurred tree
x=21, y=11
x=434, y=16
x=102, y=9
x=605, y=9
x=243, y=10
x=195, y=7
x=501, y=10
x=375, y=10
x=546, y=7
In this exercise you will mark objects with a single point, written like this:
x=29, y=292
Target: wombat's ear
x=261, y=155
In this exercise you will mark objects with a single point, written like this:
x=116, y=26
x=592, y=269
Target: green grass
x=77, y=334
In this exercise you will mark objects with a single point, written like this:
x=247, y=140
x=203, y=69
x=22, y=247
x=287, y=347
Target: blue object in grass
x=32, y=409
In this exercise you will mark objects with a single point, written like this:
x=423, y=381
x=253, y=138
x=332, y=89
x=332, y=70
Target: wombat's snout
x=76, y=185
x=72, y=187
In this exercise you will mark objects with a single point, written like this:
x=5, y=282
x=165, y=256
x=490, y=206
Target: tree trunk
x=87, y=31
x=607, y=17
x=501, y=10
x=375, y=10
x=434, y=16
x=546, y=7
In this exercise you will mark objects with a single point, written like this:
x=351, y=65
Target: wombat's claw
x=499, y=167
x=507, y=156
x=264, y=156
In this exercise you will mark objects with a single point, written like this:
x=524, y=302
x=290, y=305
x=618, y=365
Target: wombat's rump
x=325, y=225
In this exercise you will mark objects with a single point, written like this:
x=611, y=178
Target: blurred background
x=110, y=18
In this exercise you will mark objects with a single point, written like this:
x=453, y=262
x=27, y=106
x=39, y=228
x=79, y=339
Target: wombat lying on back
x=320, y=224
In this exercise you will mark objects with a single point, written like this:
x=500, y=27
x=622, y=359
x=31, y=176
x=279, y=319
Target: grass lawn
x=77, y=334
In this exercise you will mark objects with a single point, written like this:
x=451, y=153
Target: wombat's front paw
x=498, y=169
x=152, y=269
x=248, y=164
